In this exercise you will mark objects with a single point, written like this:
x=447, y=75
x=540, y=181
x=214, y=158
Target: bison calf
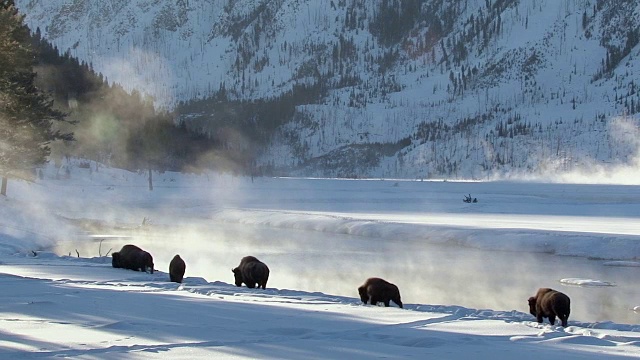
x=251, y=271
x=176, y=269
x=133, y=258
x=379, y=290
x=549, y=303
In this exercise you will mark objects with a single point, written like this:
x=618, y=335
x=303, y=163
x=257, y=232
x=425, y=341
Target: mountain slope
x=408, y=89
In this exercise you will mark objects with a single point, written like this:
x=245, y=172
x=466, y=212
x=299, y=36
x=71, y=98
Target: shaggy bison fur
x=133, y=258
x=379, y=290
x=176, y=269
x=251, y=271
x=550, y=303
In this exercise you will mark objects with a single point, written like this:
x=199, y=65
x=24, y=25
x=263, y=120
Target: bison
x=133, y=258
x=550, y=303
x=379, y=290
x=251, y=271
x=176, y=269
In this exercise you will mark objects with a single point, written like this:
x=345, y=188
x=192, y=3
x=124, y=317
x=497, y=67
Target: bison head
x=148, y=262
x=532, y=306
x=363, y=294
x=115, y=260
x=237, y=274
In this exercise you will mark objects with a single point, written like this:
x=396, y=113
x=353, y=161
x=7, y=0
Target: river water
x=337, y=264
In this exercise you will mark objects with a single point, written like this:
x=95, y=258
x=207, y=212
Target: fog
x=337, y=264
x=330, y=235
x=622, y=165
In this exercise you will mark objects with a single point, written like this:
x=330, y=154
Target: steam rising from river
x=330, y=235
x=338, y=264
x=622, y=143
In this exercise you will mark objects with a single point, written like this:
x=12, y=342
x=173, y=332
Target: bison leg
x=398, y=302
x=539, y=318
x=552, y=319
x=251, y=285
x=386, y=303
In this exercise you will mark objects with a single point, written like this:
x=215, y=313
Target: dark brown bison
x=251, y=271
x=379, y=290
x=176, y=269
x=549, y=303
x=133, y=258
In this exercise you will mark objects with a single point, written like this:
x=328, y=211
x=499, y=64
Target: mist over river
x=425, y=273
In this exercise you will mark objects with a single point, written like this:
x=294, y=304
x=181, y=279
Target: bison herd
x=547, y=303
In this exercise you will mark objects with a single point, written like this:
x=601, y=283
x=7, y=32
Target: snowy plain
x=465, y=270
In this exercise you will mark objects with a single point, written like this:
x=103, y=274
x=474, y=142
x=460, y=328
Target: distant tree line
x=51, y=104
x=116, y=127
x=240, y=129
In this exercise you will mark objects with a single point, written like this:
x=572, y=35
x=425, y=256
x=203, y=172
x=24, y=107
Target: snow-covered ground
x=465, y=270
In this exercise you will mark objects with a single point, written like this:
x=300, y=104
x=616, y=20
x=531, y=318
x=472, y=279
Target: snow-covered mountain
x=431, y=88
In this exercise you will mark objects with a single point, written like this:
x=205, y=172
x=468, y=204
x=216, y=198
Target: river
x=331, y=263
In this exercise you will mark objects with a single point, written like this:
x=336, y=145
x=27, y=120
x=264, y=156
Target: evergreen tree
x=26, y=113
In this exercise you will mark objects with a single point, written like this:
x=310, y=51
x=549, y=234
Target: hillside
x=433, y=88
